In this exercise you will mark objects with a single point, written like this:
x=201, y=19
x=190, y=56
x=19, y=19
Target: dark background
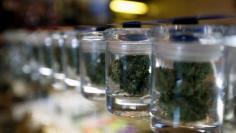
x=39, y=13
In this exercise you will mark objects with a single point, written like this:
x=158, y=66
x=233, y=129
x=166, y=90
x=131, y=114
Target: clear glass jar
x=92, y=65
x=18, y=80
x=72, y=79
x=128, y=71
x=45, y=58
x=72, y=56
x=45, y=55
x=188, y=78
x=34, y=61
x=58, y=60
x=40, y=70
x=18, y=53
x=230, y=100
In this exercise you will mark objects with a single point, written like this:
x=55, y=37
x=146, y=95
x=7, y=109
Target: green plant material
x=131, y=72
x=186, y=90
x=95, y=67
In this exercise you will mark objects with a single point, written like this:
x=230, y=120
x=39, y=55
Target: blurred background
x=31, y=13
x=61, y=112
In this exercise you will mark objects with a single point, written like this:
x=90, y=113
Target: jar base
x=59, y=85
x=127, y=106
x=72, y=84
x=159, y=126
x=45, y=80
x=93, y=93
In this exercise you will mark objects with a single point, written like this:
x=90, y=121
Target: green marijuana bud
x=95, y=63
x=131, y=72
x=186, y=90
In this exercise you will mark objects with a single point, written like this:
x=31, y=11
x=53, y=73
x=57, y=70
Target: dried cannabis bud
x=95, y=63
x=186, y=90
x=131, y=72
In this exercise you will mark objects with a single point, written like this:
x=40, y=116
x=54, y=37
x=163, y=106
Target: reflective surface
x=72, y=79
x=92, y=63
x=57, y=111
x=128, y=71
x=188, y=78
x=230, y=107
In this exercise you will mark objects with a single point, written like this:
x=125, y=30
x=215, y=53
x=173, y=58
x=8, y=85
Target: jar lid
x=128, y=40
x=188, y=52
x=188, y=43
x=230, y=36
x=230, y=40
x=85, y=28
x=126, y=34
x=92, y=36
x=93, y=41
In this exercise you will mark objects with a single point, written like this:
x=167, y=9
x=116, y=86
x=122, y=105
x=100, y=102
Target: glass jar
x=34, y=61
x=72, y=56
x=45, y=58
x=58, y=60
x=188, y=78
x=92, y=65
x=16, y=73
x=18, y=53
x=230, y=100
x=72, y=79
x=128, y=71
x=40, y=71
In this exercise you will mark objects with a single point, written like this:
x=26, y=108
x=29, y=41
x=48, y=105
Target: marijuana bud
x=131, y=72
x=187, y=89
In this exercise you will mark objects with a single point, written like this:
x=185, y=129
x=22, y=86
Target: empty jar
x=128, y=71
x=188, y=78
x=92, y=65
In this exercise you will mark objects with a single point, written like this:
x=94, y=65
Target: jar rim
x=188, y=34
x=126, y=34
x=177, y=26
x=92, y=36
x=188, y=42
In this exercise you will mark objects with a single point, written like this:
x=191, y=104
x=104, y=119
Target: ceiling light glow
x=128, y=7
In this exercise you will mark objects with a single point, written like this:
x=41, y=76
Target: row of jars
x=182, y=76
